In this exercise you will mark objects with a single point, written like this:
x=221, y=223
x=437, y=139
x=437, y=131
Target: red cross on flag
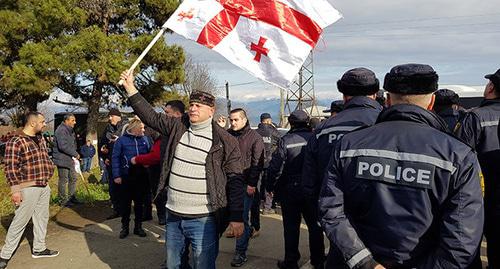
x=270, y=39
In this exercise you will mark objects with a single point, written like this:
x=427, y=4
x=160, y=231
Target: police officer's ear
x=388, y=100
x=431, y=104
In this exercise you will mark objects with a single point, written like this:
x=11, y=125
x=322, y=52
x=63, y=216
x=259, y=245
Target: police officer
x=480, y=130
x=335, y=107
x=270, y=136
x=285, y=173
x=359, y=87
x=446, y=106
x=403, y=193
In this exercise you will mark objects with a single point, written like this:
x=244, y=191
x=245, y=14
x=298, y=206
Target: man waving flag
x=268, y=38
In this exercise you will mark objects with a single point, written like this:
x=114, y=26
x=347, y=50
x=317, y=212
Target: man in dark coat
x=284, y=180
x=202, y=174
x=387, y=201
x=64, y=151
x=479, y=129
x=252, y=152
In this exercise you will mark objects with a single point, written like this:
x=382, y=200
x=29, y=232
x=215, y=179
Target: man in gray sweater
x=201, y=173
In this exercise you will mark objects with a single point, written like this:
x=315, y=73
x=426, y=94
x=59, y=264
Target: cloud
x=458, y=38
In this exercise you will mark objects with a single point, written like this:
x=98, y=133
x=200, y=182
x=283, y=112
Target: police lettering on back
x=406, y=173
x=334, y=137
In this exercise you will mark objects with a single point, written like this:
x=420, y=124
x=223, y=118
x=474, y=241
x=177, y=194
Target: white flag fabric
x=270, y=39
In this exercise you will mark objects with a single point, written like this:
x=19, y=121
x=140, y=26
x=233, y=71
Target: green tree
x=81, y=47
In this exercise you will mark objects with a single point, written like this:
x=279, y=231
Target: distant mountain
x=255, y=108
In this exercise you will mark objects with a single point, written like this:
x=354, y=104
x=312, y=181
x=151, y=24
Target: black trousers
x=294, y=206
x=133, y=188
x=160, y=200
x=114, y=190
x=255, y=211
x=492, y=234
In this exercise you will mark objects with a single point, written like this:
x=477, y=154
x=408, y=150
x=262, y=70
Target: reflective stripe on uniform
x=354, y=260
x=489, y=123
x=400, y=156
x=338, y=129
x=296, y=145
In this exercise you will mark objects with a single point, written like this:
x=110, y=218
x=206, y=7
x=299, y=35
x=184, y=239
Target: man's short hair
x=30, y=116
x=242, y=112
x=68, y=116
x=176, y=105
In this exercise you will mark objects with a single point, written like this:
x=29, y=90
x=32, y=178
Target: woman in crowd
x=131, y=178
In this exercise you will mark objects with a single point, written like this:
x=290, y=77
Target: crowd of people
x=392, y=178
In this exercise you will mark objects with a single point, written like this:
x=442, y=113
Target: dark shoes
x=47, y=253
x=285, y=265
x=239, y=259
x=139, y=231
x=124, y=232
x=3, y=263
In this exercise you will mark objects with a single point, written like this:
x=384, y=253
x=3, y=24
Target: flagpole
x=143, y=54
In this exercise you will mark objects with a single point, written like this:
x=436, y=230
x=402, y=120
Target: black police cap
x=411, y=79
x=446, y=97
x=358, y=82
x=298, y=116
x=335, y=106
x=495, y=78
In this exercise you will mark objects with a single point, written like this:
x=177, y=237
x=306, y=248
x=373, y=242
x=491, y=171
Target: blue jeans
x=86, y=163
x=242, y=242
x=201, y=233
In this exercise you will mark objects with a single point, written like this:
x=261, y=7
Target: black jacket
x=403, y=193
x=480, y=130
x=270, y=137
x=358, y=112
x=287, y=160
x=252, y=153
x=223, y=163
x=64, y=146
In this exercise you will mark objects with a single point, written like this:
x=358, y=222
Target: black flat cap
x=358, y=81
x=495, y=78
x=265, y=116
x=298, y=116
x=411, y=79
x=114, y=112
x=445, y=97
x=202, y=98
x=335, y=106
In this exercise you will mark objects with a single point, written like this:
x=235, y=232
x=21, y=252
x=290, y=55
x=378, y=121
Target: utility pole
x=227, y=98
x=301, y=95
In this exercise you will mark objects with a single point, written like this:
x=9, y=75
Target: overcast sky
x=460, y=39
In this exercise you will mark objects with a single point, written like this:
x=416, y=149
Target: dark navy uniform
x=403, y=193
x=446, y=107
x=284, y=179
x=480, y=130
x=359, y=111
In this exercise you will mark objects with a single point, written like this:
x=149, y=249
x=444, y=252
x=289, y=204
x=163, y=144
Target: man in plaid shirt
x=28, y=170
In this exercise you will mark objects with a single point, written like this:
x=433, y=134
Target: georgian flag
x=268, y=38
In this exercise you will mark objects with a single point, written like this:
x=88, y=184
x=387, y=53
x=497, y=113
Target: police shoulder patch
x=408, y=173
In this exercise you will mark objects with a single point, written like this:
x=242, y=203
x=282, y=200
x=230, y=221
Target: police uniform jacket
x=403, y=193
x=480, y=130
x=286, y=163
x=358, y=112
x=450, y=116
x=270, y=137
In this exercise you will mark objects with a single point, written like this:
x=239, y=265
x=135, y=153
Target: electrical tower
x=300, y=95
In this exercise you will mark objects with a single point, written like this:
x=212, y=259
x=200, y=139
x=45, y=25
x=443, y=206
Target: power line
x=418, y=20
x=418, y=27
x=239, y=84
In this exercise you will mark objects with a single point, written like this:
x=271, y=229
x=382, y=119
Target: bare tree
x=197, y=77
